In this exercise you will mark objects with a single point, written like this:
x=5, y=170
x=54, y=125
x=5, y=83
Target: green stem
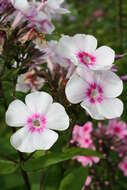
x=24, y=173
x=41, y=181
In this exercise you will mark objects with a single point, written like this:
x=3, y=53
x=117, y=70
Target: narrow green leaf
x=7, y=167
x=54, y=158
x=75, y=179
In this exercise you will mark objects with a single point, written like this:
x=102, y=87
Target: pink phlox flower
x=82, y=134
x=87, y=160
x=123, y=166
x=117, y=128
x=85, y=141
x=82, y=137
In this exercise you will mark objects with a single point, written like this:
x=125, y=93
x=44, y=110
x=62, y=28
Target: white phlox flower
x=97, y=92
x=39, y=116
x=81, y=50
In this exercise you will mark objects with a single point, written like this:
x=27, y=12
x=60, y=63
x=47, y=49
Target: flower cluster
x=80, y=69
x=106, y=139
x=37, y=14
x=82, y=137
x=92, y=81
x=50, y=81
x=116, y=133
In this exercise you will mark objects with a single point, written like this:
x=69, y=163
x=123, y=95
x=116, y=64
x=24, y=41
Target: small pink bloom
x=118, y=128
x=123, y=166
x=81, y=134
x=87, y=160
x=85, y=141
x=87, y=127
x=88, y=180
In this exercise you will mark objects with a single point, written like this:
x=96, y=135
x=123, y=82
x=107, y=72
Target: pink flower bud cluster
x=105, y=139
x=115, y=133
x=82, y=137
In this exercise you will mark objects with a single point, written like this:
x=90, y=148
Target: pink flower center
x=36, y=123
x=86, y=58
x=87, y=141
x=125, y=166
x=94, y=93
x=85, y=129
x=117, y=129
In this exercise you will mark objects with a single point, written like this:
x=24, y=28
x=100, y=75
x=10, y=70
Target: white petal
x=78, y=40
x=86, y=74
x=57, y=118
x=62, y=11
x=60, y=1
x=20, y=4
x=112, y=85
x=17, y=114
x=22, y=87
x=75, y=89
x=67, y=49
x=28, y=142
x=53, y=4
x=19, y=137
x=111, y=108
x=105, y=56
x=21, y=78
x=44, y=140
x=38, y=102
x=92, y=109
x=22, y=140
x=85, y=42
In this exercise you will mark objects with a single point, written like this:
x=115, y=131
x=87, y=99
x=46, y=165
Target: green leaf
x=12, y=181
x=54, y=158
x=7, y=167
x=52, y=178
x=75, y=179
